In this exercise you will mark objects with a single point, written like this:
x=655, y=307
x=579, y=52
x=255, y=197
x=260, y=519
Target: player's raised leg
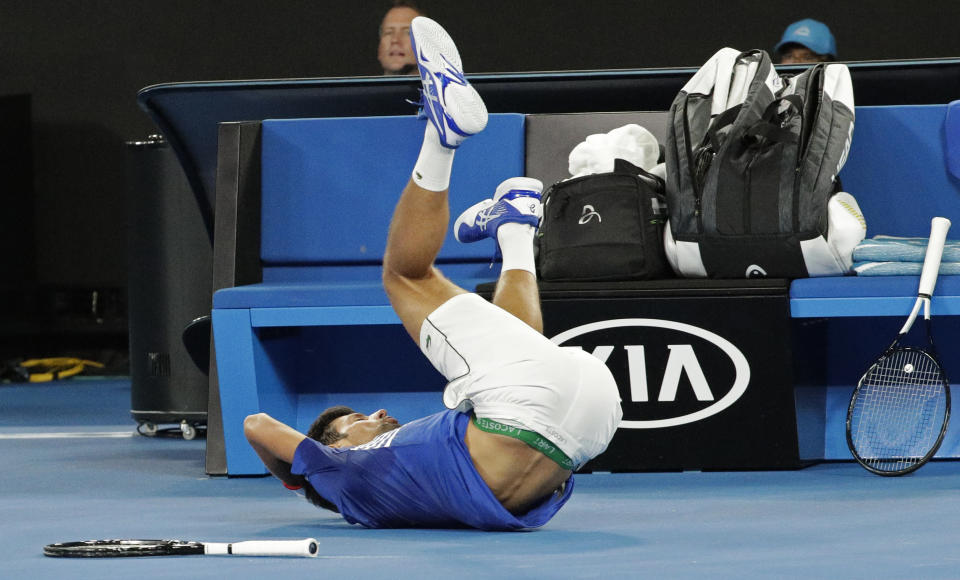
x=422, y=214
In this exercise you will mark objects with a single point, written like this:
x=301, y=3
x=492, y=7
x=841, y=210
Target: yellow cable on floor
x=56, y=368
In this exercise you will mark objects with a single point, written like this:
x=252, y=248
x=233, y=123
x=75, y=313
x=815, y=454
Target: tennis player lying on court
x=523, y=413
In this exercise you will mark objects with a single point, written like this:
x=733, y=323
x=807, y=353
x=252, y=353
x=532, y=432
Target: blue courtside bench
x=316, y=329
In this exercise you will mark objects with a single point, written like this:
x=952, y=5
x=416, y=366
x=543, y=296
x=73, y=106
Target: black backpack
x=604, y=226
x=752, y=161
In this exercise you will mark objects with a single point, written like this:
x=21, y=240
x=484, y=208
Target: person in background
x=806, y=41
x=394, y=52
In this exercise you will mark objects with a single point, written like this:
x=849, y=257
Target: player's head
x=343, y=427
x=807, y=40
x=394, y=52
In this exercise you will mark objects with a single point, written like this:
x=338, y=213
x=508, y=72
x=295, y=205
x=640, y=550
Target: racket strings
x=899, y=412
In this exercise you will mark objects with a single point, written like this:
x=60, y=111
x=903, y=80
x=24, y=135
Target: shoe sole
x=433, y=41
x=466, y=109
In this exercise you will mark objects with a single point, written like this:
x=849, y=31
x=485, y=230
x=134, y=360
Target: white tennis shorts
x=508, y=372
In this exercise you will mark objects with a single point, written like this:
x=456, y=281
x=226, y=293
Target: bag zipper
x=693, y=165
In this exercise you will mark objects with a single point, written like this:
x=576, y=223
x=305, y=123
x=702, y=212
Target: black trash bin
x=169, y=287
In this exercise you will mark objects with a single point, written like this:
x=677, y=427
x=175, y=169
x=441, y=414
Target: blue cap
x=811, y=33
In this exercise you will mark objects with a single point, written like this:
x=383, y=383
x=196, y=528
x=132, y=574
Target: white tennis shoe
x=451, y=104
x=516, y=200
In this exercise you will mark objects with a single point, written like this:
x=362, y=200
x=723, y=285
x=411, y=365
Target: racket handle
x=939, y=227
x=306, y=548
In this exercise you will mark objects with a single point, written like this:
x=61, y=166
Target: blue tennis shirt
x=419, y=475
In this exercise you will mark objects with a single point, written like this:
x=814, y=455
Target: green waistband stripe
x=531, y=438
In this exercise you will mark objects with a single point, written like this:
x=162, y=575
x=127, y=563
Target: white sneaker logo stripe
x=485, y=216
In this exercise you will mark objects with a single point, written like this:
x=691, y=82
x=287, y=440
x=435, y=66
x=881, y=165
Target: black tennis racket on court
x=306, y=548
x=900, y=409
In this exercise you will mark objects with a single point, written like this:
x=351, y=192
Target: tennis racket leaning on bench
x=899, y=411
x=306, y=548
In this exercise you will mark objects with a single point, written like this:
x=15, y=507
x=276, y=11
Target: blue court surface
x=75, y=469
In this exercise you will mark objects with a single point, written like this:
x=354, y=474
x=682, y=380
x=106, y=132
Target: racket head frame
x=889, y=352
x=122, y=548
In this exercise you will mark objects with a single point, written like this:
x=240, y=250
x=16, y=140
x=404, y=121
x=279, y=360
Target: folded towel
x=901, y=268
x=898, y=249
x=597, y=153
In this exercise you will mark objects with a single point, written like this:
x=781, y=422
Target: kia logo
x=682, y=359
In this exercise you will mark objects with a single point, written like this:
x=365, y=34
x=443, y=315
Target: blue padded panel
x=852, y=286
x=330, y=185
x=297, y=294
x=309, y=294
x=897, y=169
x=952, y=135
x=335, y=286
x=869, y=296
x=456, y=271
x=331, y=274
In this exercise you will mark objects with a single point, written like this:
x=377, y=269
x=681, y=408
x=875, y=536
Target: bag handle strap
x=624, y=166
x=723, y=120
x=770, y=128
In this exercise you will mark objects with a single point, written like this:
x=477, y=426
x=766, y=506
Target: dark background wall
x=83, y=61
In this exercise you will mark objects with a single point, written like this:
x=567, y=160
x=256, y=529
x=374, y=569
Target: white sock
x=516, y=245
x=433, y=167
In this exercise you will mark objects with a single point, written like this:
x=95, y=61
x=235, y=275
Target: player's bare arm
x=275, y=444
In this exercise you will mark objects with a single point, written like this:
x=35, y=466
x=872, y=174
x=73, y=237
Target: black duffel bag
x=604, y=227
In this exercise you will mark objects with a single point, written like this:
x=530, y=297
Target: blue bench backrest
x=329, y=186
x=897, y=169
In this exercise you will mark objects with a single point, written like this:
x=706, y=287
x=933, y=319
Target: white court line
x=361, y=557
x=70, y=435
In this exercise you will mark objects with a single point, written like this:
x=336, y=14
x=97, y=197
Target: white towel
x=631, y=142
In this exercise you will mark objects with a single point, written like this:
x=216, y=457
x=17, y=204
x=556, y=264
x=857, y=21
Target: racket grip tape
x=939, y=227
x=306, y=548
